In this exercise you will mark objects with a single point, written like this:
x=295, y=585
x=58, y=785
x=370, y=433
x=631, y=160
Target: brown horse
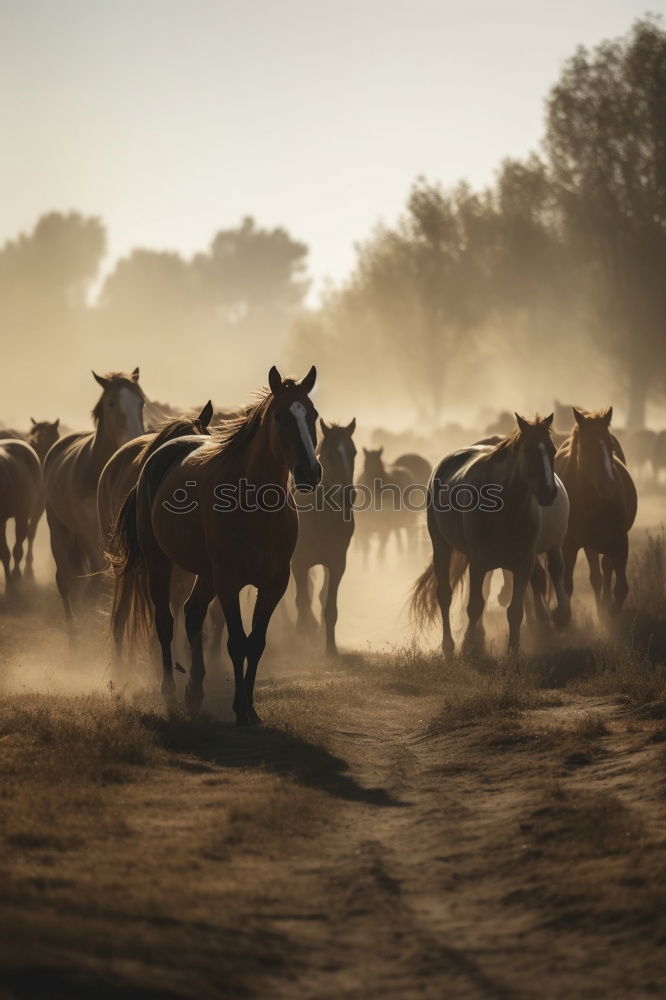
x=603, y=503
x=220, y=511
x=21, y=498
x=121, y=472
x=487, y=505
x=325, y=529
x=71, y=471
x=382, y=509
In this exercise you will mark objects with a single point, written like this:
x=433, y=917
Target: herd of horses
x=161, y=511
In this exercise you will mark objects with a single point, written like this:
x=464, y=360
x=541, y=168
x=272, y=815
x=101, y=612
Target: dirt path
x=361, y=845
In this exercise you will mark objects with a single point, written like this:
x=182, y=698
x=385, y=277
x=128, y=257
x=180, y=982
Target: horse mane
x=167, y=432
x=121, y=380
x=239, y=430
x=506, y=445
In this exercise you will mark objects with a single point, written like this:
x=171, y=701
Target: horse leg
x=267, y=601
x=196, y=608
x=21, y=524
x=32, y=531
x=595, y=574
x=62, y=543
x=474, y=633
x=5, y=556
x=306, y=621
x=330, y=609
x=538, y=582
x=515, y=611
x=562, y=613
x=570, y=554
x=228, y=597
x=618, y=558
x=504, y=595
x=159, y=585
x=441, y=560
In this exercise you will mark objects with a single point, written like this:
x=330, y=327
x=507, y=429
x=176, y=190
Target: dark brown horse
x=325, y=529
x=381, y=509
x=21, y=498
x=71, y=471
x=603, y=504
x=487, y=508
x=220, y=511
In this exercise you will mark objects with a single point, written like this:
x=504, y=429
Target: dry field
x=397, y=829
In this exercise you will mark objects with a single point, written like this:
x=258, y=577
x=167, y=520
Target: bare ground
x=395, y=830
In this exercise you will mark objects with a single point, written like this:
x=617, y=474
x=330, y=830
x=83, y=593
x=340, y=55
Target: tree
x=606, y=142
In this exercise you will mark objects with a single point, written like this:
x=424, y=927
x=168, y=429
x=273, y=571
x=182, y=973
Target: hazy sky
x=173, y=118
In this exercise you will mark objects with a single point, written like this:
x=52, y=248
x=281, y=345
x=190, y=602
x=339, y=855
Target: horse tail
x=131, y=613
x=424, y=605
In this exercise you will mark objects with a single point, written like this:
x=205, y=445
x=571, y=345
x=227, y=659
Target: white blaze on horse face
x=299, y=413
x=129, y=407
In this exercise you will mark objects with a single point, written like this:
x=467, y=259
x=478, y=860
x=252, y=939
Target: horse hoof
x=561, y=619
x=192, y=702
x=243, y=720
x=255, y=720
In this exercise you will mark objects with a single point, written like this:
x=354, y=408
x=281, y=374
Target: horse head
x=536, y=457
x=595, y=449
x=294, y=426
x=43, y=435
x=337, y=452
x=118, y=412
x=373, y=465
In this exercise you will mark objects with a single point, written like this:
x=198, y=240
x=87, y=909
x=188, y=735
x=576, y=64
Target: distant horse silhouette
x=603, y=506
x=325, y=529
x=659, y=455
x=71, y=471
x=42, y=436
x=499, y=529
x=217, y=510
x=382, y=510
x=21, y=498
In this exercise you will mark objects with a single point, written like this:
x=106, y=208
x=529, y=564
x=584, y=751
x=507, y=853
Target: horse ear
x=365, y=452
x=350, y=428
x=580, y=419
x=135, y=374
x=100, y=380
x=324, y=427
x=548, y=421
x=56, y=424
x=380, y=452
x=33, y=421
x=206, y=414
x=522, y=423
x=274, y=380
x=608, y=416
x=307, y=383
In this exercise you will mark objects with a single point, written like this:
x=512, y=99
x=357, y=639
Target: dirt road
x=389, y=833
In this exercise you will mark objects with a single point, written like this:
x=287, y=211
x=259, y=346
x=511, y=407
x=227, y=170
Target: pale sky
x=173, y=118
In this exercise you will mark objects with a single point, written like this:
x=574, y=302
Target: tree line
x=555, y=272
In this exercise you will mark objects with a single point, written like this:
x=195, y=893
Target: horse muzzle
x=307, y=478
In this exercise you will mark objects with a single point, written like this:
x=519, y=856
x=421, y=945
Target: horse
x=121, y=472
x=71, y=470
x=640, y=446
x=42, y=436
x=419, y=467
x=220, y=511
x=603, y=506
x=382, y=509
x=325, y=529
x=21, y=498
x=659, y=455
x=486, y=506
